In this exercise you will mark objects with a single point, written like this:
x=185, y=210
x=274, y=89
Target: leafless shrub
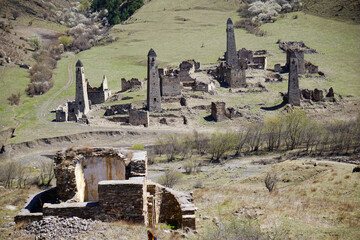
x=15, y=14
x=46, y=173
x=170, y=178
x=250, y=27
x=14, y=99
x=38, y=88
x=270, y=181
x=8, y=174
x=189, y=166
x=43, y=76
x=82, y=43
x=220, y=144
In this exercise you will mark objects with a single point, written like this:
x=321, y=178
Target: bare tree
x=15, y=14
x=294, y=123
x=220, y=144
x=8, y=174
x=254, y=139
x=201, y=143
x=240, y=139
x=46, y=172
x=170, y=178
x=270, y=181
x=272, y=133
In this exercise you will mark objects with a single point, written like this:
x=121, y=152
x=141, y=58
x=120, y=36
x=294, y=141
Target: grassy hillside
x=177, y=32
x=335, y=9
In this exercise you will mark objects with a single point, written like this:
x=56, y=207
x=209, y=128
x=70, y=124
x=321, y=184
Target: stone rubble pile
x=60, y=228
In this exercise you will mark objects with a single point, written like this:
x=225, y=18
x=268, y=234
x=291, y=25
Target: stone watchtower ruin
x=81, y=94
x=153, y=83
x=233, y=72
x=293, y=85
x=231, y=54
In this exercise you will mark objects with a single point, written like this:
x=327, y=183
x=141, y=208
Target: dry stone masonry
x=153, y=83
x=109, y=184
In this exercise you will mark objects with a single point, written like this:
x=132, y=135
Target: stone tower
x=153, y=84
x=81, y=94
x=293, y=85
x=298, y=55
x=231, y=54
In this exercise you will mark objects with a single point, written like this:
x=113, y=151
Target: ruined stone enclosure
x=110, y=185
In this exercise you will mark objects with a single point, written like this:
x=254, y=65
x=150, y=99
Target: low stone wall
x=218, y=111
x=124, y=200
x=118, y=109
x=32, y=210
x=139, y=117
x=78, y=209
x=170, y=85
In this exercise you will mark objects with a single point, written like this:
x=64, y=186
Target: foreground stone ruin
x=109, y=185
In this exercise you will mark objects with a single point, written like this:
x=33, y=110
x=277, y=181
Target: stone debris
x=60, y=228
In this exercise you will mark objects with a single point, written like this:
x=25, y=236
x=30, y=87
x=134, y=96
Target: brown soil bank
x=335, y=9
x=94, y=138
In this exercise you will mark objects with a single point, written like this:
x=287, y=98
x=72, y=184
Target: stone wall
x=84, y=210
x=133, y=200
x=293, y=84
x=138, y=117
x=170, y=85
x=298, y=56
x=153, y=83
x=117, y=109
x=218, y=111
x=132, y=83
x=78, y=171
x=124, y=200
x=259, y=62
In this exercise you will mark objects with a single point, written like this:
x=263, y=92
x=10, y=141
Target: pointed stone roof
x=152, y=53
x=79, y=63
x=229, y=21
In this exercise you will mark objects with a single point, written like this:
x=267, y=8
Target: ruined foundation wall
x=170, y=85
x=124, y=200
x=218, y=111
x=138, y=117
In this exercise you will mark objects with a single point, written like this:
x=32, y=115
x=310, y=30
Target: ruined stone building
x=133, y=83
x=255, y=60
x=85, y=95
x=293, y=84
x=81, y=95
x=232, y=72
x=153, y=83
x=109, y=185
x=100, y=94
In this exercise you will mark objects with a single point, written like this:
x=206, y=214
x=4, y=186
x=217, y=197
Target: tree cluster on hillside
x=16, y=175
x=41, y=73
x=119, y=10
x=86, y=27
x=291, y=131
x=256, y=13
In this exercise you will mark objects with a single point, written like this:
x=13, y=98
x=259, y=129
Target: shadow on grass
x=209, y=118
x=274, y=108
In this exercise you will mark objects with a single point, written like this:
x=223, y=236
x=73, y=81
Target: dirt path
x=44, y=109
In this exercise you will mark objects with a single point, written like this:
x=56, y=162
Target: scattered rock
x=217, y=222
x=59, y=228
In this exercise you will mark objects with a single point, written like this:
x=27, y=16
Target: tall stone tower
x=293, y=85
x=231, y=55
x=298, y=55
x=81, y=94
x=153, y=84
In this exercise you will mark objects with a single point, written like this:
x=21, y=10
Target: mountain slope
x=336, y=9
